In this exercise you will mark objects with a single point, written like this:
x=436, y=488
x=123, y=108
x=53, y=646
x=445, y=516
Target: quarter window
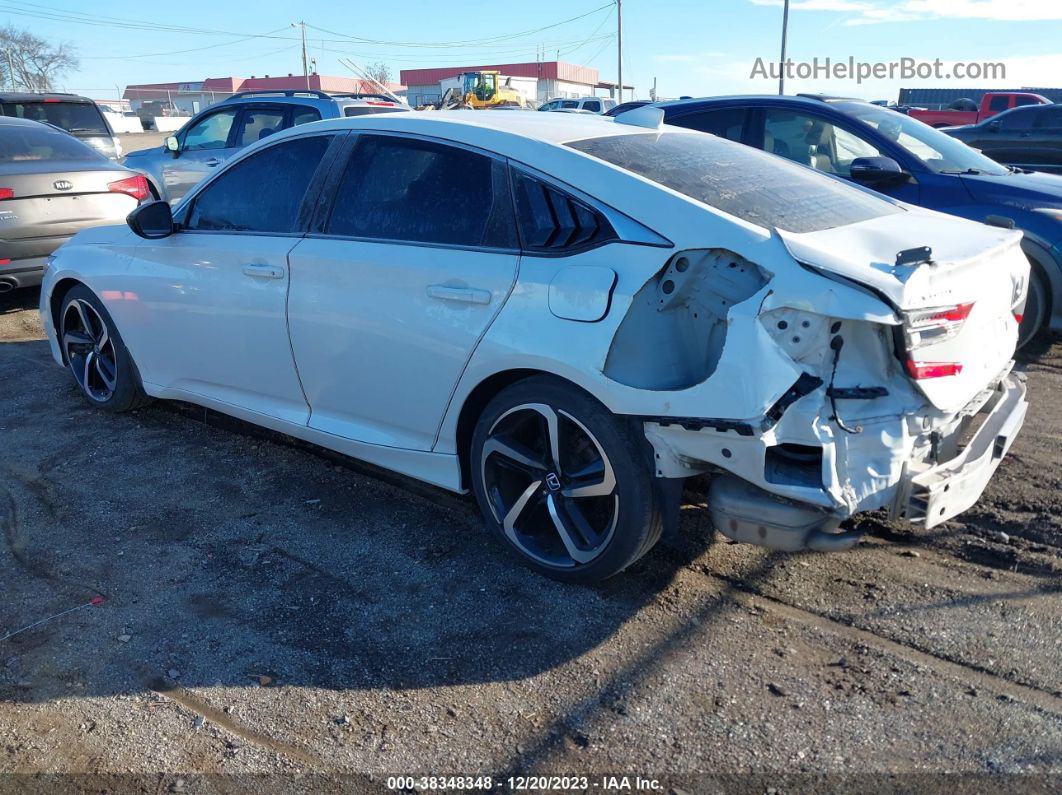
x=304, y=116
x=262, y=193
x=211, y=132
x=552, y=221
x=406, y=189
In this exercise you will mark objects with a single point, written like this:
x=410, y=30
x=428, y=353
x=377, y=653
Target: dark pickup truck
x=966, y=111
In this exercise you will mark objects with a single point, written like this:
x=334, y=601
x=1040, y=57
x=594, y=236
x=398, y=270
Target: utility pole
x=305, y=65
x=619, y=47
x=781, y=63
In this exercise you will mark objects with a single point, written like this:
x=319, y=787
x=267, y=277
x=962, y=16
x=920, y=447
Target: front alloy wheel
x=89, y=350
x=562, y=481
x=94, y=352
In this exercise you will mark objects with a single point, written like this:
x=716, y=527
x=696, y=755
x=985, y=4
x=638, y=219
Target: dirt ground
x=271, y=609
x=132, y=142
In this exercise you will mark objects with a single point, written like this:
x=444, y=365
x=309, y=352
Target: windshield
x=938, y=151
x=20, y=143
x=744, y=182
x=82, y=117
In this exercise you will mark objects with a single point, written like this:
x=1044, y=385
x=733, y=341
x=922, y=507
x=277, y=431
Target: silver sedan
x=51, y=186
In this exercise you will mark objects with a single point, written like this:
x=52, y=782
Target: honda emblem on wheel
x=553, y=482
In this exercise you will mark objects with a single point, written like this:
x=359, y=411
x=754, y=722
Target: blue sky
x=696, y=47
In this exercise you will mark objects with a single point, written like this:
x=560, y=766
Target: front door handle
x=467, y=295
x=261, y=271
x=213, y=162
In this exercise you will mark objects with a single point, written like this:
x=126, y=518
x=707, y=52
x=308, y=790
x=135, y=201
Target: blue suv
x=903, y=158
x=215, y=134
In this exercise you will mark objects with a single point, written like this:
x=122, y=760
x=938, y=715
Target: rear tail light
x=7, y=193
x=5, y=262
x=930, y=326
x=923, y=370
x=136, y=186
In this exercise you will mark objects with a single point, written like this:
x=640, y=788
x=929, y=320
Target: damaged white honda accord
x=569, y=316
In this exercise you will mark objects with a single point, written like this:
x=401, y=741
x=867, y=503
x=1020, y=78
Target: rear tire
x=563, y=481
x=98, y=359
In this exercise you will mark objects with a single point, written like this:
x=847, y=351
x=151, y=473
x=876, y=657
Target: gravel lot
x=273, y=609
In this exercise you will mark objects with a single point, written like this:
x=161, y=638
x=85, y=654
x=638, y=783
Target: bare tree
x=30, y=63
x=378, y=71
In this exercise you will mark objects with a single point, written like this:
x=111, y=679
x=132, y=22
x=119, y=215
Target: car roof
x=556, y=128
x=803, y=100
x=303, y=96
x=30, y=96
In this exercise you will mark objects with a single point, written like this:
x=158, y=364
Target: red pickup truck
x=965, y=111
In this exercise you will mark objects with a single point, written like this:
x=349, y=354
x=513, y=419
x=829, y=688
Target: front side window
x=262, y=193
x=211, y=132
x=406, y=189
x=998, y=102
x=1016, y=119
x=259, y=123
x=569, y=103
x=813, y=141
x=593, y=105
x=739, y=180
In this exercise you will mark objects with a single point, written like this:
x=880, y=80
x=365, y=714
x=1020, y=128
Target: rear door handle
x=467, y=295
x=261, y=271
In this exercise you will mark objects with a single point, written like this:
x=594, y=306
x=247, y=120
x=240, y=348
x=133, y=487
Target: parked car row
x=570, y=315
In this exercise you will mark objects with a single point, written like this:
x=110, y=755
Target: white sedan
x=424, y=292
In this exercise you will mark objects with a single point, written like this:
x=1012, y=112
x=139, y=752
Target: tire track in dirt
x=967, y=673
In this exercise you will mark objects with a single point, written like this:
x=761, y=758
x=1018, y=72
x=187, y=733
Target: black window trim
x=309, y=200
x=621, y=223
x=323, y=212
x=747, y=125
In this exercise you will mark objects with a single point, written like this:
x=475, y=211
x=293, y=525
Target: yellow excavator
x=478, y=90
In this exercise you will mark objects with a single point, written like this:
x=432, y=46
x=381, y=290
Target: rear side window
x=739, y=180
x=406, y=189
x=1019, y=101
x=551, y=221
x=724, y=122
x=262, y=193
x=259, y=123
x=302, y=115
x=75, y=117
x=30, y=143
x=593, y=105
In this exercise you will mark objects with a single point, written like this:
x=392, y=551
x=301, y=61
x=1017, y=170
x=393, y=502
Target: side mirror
x=173, y=144
x=152, y=221
x=877, y=171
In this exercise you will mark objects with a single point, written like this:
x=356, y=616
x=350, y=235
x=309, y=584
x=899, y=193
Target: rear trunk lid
x=955, y=313
x=52, y=200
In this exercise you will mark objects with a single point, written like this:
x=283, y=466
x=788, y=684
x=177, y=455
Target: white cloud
x=869, y=12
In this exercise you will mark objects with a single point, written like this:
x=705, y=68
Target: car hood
x=140, y=153
x=1019, y=190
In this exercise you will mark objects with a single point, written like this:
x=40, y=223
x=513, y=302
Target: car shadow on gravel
x=231, y=558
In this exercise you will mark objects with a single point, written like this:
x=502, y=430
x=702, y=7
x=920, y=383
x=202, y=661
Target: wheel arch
x=478, y=398
x=55, y=304
x=1050, y=272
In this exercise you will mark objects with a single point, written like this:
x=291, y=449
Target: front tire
x=94, y=352
x=563, y=481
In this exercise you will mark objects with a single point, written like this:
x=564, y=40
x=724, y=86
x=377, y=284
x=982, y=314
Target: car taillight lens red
x=924, y=327
x=1018, y=316
x=137, y=187
x=5, y=262
x=922, y=370
x=6, y=193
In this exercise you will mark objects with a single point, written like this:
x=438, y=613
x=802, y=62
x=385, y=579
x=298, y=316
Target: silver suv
x=214, y=135
x=589, y=104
